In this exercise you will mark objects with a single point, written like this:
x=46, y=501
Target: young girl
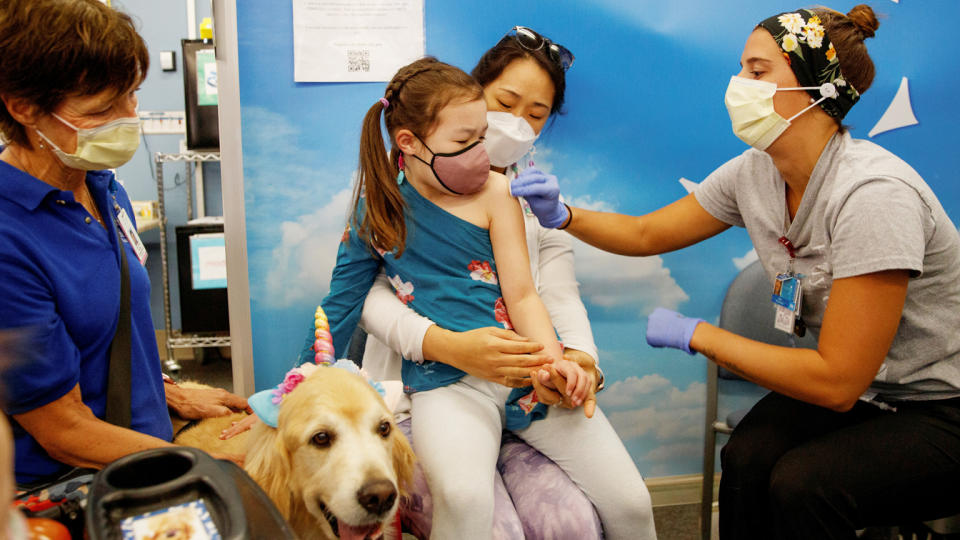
x=450, y=239
x=436, y=194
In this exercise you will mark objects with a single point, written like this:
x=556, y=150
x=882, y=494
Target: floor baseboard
x=680, y=489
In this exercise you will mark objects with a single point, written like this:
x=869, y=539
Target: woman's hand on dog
x=490, y=353
x=197, y=403
x=552, y=387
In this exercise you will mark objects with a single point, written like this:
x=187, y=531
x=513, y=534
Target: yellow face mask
x=750, y=105
x=103, y=147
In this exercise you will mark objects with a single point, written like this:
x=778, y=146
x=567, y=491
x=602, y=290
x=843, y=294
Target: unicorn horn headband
x=266, y=404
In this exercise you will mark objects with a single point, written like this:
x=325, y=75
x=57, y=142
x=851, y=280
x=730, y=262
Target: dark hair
x=508, y=49
x=52, y=49
x=847, y=33
x=416, y=95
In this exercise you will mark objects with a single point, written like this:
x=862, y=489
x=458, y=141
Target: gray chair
x=747, y=311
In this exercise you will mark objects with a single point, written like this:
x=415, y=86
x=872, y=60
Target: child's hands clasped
x=565, y=378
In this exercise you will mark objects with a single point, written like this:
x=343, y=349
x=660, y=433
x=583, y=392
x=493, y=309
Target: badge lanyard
x=788, y=296
x=130, y=232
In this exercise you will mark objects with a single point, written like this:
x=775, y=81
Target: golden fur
x=335, y=440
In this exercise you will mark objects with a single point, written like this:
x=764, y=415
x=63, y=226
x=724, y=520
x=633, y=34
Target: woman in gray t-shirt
x=864, y=430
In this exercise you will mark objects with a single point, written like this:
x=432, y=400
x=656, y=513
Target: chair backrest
x=748, y=311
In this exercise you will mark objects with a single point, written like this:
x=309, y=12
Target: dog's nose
x=377, y=496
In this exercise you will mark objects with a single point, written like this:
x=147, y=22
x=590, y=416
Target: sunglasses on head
x=532, y=41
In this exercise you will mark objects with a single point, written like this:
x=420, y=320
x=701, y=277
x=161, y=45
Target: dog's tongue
x=365, y=532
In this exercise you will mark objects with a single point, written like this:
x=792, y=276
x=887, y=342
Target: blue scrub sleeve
x=48, y=365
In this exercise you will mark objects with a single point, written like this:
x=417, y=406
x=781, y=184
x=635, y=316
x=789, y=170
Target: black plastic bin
x=148, y=489
x=201, y=310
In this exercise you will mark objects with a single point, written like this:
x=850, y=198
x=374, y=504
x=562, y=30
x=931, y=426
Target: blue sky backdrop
x=644, y=107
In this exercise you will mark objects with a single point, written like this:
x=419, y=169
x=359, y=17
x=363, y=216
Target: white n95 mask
x=750, y=105
x=103, y=147
x=508, y=138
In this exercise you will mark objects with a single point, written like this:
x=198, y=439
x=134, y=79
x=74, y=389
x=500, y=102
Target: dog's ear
x=268, y=463
x=403, y=460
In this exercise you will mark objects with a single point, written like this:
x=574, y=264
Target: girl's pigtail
x=382, y=225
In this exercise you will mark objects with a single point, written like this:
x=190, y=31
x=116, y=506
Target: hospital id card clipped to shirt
x=788, y=297
x=130, y=232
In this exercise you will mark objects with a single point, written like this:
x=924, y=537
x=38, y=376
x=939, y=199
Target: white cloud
x=662, y=424
x=275, y=167
x=628, y=391
x=639, y=284
x=656, y=418
x=292, y=244
x=694, y=396
x=743, y=262
x=303, y=260
x=587, y=202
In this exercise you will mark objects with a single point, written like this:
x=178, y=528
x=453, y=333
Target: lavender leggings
x=539, y=489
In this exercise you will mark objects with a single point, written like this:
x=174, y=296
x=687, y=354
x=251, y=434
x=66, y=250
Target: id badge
x=788, y=299
x=784, y=320
x=126, y=226
x=786, y=291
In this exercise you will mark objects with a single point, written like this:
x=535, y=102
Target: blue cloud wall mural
x=644, y=109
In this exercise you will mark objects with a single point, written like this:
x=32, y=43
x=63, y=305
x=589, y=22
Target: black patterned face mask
x=810, y=54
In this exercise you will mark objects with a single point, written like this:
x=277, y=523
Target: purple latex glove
x=667, y=328
x=543, y=194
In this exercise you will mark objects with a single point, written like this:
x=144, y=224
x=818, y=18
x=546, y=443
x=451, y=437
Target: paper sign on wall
x=346, y=41
x=206, y=77
x=208, y=258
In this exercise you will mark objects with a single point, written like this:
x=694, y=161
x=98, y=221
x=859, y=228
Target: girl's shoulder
x=497, y=186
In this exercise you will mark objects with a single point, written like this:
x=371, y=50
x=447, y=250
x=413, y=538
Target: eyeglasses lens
x=533, y=41
x=528, y=38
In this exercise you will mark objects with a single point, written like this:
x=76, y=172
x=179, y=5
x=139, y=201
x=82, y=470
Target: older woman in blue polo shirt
x=68, y=72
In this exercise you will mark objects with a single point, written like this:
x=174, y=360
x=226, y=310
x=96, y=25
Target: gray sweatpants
x=456, y=434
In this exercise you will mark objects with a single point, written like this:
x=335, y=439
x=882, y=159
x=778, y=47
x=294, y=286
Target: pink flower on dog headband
x=266, y=404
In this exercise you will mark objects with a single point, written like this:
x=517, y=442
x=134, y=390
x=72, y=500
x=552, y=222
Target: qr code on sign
x=358, y=60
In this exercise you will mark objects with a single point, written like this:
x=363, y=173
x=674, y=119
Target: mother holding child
x=450, y=239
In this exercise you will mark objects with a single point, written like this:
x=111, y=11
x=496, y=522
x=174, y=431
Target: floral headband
x=811, y=56
x=266, y=404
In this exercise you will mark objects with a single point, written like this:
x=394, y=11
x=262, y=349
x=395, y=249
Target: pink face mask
x=463, y=172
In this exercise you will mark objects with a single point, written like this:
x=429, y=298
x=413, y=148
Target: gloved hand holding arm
x=542, y=192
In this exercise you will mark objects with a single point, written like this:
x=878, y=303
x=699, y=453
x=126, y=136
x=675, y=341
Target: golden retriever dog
x=335, y=466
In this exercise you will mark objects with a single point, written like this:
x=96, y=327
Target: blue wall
x=644, y=108
x=163, y=25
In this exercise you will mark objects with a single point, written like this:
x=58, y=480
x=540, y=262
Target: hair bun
x=865, y=20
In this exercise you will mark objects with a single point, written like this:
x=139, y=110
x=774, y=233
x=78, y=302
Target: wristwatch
x=600, y=377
